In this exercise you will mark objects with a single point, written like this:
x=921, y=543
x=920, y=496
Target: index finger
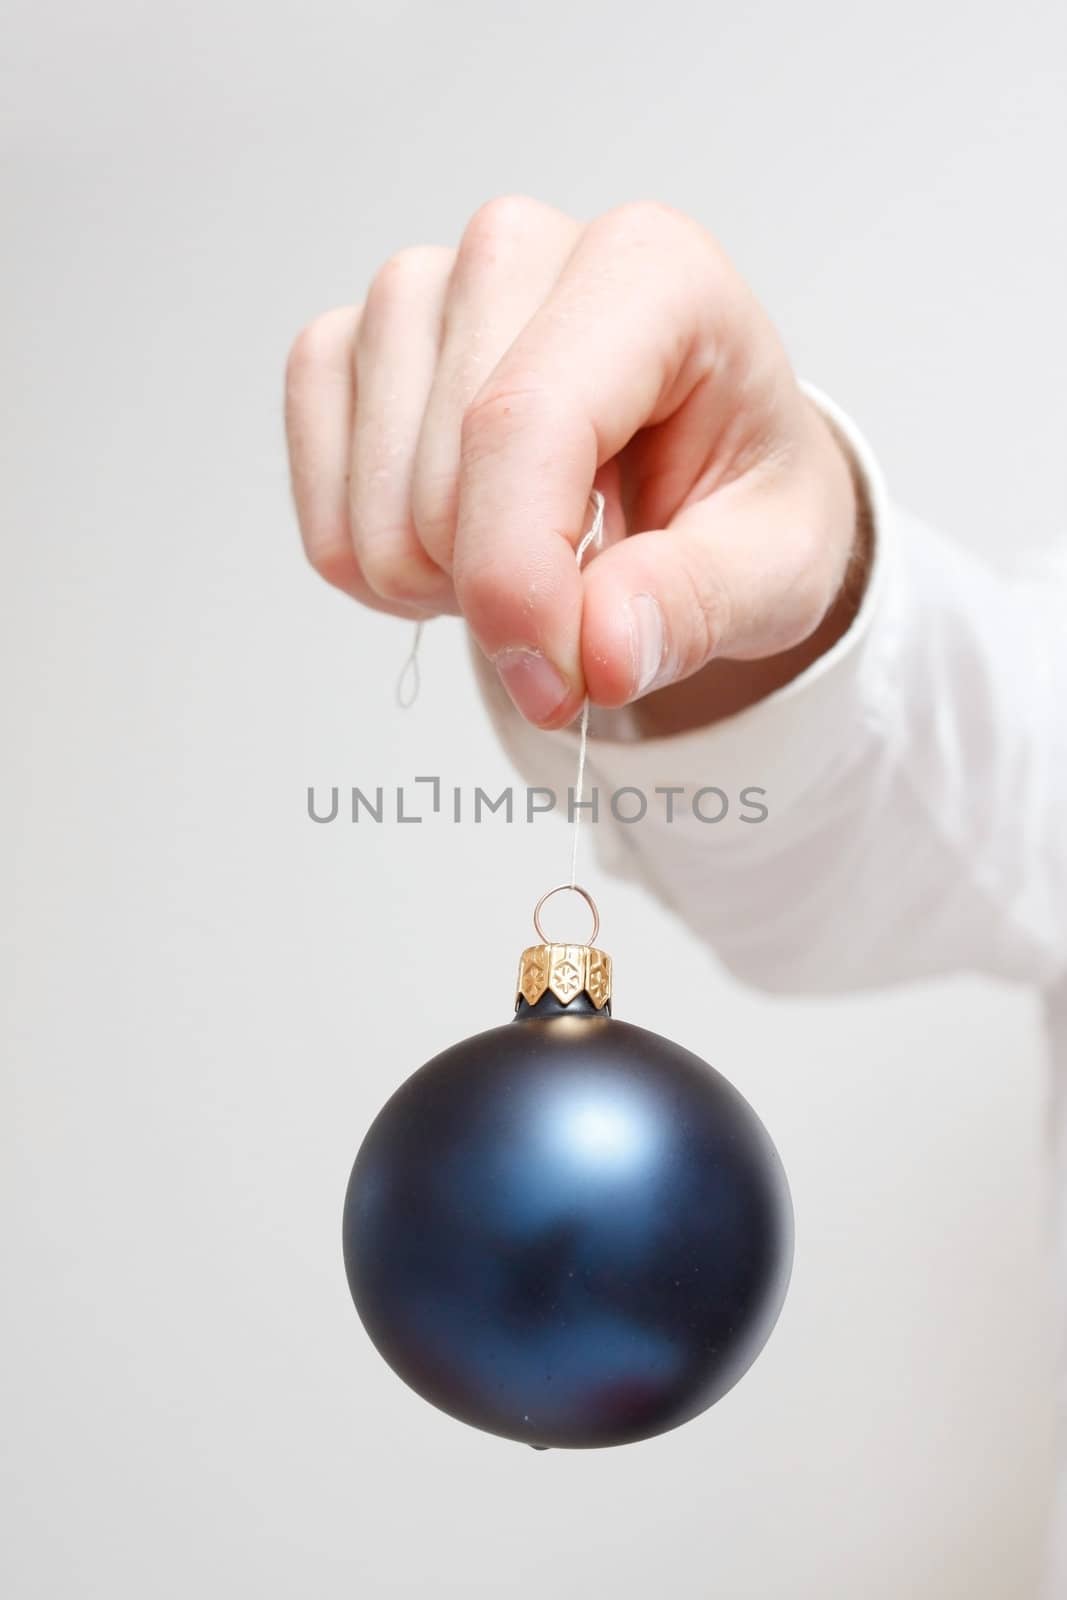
x=630, y=330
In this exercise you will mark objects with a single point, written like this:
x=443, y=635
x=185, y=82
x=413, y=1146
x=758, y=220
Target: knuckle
x=396, y=585
x=638, y=224
x=498, y=411
x=642, y=219
x=327, y=544
x=496, y=225
x=334, y=562
x=310, y=350
x=433, y=511
x=488, y=419
x=711, y=613
x=482, y=591
x=395, y=571
x=404, y=276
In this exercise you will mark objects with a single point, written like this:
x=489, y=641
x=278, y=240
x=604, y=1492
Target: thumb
x=749, y=572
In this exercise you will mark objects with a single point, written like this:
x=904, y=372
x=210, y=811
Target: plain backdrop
x=207, y=997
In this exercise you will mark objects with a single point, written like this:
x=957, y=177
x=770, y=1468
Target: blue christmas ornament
x=568, y=1230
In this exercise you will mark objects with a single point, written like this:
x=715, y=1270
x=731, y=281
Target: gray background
x=190, y=1405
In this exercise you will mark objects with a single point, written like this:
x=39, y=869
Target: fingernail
x=648, y=639
x=531, y=680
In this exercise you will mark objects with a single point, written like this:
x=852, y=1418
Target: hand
x=445, y=436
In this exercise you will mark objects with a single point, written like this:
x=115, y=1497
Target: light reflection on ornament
x=603, y=1131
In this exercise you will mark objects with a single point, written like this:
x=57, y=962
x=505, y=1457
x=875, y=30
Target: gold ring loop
x=573, y=888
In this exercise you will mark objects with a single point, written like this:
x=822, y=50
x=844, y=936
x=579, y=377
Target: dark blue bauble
x=568, y=1231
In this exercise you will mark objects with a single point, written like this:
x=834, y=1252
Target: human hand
x=444, y=438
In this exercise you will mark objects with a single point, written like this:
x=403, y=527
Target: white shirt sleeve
x=914, y=778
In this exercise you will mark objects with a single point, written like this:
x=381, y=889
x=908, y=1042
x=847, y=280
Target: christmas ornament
x=568, y=1230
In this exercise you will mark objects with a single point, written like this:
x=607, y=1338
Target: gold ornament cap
x=565, y=970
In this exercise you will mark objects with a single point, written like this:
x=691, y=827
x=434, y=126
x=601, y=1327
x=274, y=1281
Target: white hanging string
x=593, y=537
x=408, y=683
